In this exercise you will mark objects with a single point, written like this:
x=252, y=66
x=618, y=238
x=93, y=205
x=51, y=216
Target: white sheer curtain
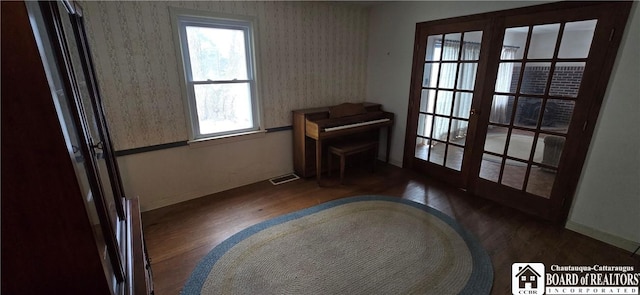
x=466, y=80
x=503, y=84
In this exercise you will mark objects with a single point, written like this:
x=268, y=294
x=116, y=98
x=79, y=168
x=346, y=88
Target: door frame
x=612, y=18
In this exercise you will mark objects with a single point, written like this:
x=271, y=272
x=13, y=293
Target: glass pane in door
x=566, y=79
x=109, y=204
x=543, y=41
x=515, y=39
x=451, y=64
x=92, y=121
x=577, y=44
x=533, y=104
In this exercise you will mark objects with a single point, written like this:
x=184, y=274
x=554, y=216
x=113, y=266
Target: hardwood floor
x=178, y=236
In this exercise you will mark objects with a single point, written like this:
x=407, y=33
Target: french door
x=66, y=53
x=503, y=104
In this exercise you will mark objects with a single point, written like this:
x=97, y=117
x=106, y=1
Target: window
x=219, y=74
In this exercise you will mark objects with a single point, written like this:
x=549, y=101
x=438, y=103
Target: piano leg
x=318, y=160
x=388, y=143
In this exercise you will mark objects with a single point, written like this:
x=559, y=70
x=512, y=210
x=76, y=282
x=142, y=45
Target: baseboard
x=391, y=161
x=602, y=236
x=395, y=163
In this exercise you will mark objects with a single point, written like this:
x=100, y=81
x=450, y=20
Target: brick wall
x=566, y=83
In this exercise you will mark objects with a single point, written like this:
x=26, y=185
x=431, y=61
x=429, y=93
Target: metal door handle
x=98, y=145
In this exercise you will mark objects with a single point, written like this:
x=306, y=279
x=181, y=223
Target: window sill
x=209, y=141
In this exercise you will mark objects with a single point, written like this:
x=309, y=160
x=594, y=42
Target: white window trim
x=194, y=16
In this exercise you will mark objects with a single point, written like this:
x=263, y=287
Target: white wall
x=608, y=195
x=164, y=177
x=607, y=202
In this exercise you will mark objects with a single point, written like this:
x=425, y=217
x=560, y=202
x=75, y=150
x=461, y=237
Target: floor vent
x=283, y=179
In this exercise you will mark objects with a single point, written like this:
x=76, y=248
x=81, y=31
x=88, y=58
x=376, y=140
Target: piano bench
x=346, y=149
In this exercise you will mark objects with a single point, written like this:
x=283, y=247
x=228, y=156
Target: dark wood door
x=446, y=90
x=544, y=72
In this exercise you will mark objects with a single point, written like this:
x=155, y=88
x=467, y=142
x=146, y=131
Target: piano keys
x=329, y=129
x=314, y=129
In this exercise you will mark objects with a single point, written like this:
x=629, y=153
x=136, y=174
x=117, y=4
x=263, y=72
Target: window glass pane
x=454, y=157
x=501, y=109
x=515, y=39
x=422, y=148
x=543, y=41
x=451, y=46
x=430, y=75
x=490, y=167
x=427, y=100
x=441, y=128
x=576, y=39
x=425, y=123
x=557, y=115
x=217, y=54
x=467, y=76
x=552, y=150
x=462, y=104
x=433, y=48
x=437, y=153
x=566, y=80
x=444, y=102
x=447, y=75
x=520, y=145
x=458, y=131
x=495, y=140
x=223, y=107
x=513, y=174
x=508, y=74
x=528, y=112
x=534, y=80
x=471, y=45
x=541, y=181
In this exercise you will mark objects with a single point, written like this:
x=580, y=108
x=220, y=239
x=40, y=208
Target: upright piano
x=314, y=129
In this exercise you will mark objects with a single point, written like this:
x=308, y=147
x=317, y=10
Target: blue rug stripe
x=480, y=281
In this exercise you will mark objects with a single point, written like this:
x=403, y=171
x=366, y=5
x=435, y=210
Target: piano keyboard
x=328, y=129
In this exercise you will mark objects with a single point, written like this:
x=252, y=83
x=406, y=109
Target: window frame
x=180, y=19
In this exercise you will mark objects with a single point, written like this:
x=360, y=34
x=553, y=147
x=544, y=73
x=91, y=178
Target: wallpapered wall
x=310, y=54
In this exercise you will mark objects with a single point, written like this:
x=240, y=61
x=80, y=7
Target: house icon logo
x=527, y=278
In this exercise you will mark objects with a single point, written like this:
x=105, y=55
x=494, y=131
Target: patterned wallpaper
x=310, y=54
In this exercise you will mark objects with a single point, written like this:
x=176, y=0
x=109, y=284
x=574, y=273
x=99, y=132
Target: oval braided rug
x=357, y=245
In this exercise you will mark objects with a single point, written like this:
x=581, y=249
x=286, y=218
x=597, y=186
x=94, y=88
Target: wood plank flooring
x=178, y=236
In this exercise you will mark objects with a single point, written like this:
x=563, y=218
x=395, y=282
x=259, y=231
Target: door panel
x=536, y=94
x=513, y=121
x=70, y=58
x=112, y=202
x=447, y=75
